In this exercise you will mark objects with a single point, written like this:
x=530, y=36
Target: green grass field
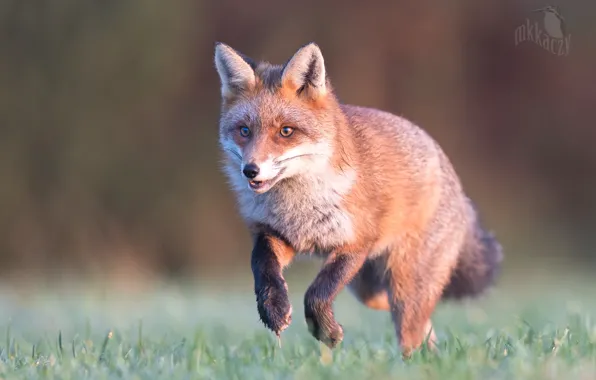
x=516, y=332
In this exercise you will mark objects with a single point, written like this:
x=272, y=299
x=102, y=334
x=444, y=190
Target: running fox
x=369, y=192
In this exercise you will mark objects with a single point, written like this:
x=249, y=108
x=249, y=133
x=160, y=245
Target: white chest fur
x=306, y=210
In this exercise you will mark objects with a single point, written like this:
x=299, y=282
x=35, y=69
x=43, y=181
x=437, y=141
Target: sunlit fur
x=369, y=191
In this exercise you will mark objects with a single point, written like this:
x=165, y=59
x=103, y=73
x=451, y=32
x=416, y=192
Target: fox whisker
x=234, y=153
x=298, y=156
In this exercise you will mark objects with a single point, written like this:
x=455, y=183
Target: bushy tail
x=478, y=266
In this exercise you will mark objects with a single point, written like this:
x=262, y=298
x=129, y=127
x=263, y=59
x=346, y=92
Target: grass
x=168, y=333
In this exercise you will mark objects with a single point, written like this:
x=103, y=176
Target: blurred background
x=109, y=163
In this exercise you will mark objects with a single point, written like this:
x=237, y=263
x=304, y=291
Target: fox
x=369, y=193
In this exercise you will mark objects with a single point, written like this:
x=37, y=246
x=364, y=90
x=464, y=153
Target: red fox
x=369, y=192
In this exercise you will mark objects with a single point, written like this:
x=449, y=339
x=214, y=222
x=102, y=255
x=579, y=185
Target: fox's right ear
x=236, y=71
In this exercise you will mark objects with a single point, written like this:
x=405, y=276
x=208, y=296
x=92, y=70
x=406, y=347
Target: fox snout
x=260, y=171
x=251, y=170
x=261, y=176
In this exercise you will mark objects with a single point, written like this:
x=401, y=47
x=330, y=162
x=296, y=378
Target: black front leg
x=270, y=255
x=338, y=271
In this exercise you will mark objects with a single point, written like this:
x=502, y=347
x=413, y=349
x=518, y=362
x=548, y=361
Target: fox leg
x=269, y=256
x=411, y=316
x=338, y=271
x=415, y=287
x=369, y=285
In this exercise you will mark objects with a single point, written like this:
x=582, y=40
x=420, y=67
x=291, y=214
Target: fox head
x=277, y=121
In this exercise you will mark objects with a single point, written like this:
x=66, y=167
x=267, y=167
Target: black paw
x=322, y=325
x=274, y=306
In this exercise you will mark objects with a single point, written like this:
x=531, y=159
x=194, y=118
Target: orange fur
x=369, y=191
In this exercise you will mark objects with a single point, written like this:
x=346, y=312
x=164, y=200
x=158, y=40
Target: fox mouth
x=263, y=186
x=259, y=185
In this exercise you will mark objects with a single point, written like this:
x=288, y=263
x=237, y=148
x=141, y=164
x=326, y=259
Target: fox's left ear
x=305, y=72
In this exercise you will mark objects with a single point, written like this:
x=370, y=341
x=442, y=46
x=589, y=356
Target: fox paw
x=322, y=325
x=330, y=334
x=273, y=304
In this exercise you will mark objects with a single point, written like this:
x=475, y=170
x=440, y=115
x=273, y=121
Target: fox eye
x=286, y=131
x=244, y=131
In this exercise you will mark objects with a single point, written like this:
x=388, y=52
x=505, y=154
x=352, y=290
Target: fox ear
x=305, y=72
x=236, y=71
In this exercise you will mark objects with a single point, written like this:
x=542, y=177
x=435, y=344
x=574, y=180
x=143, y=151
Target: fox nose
x=251, y=171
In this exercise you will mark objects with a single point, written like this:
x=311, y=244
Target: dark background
x=109, y=163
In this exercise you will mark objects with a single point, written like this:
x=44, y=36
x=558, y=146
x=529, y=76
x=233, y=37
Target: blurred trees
x=108, y=137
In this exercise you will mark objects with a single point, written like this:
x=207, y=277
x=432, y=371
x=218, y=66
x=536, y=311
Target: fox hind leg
x=369, y=286
x=373, y=285
x=411, y=318
x=414, y=289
